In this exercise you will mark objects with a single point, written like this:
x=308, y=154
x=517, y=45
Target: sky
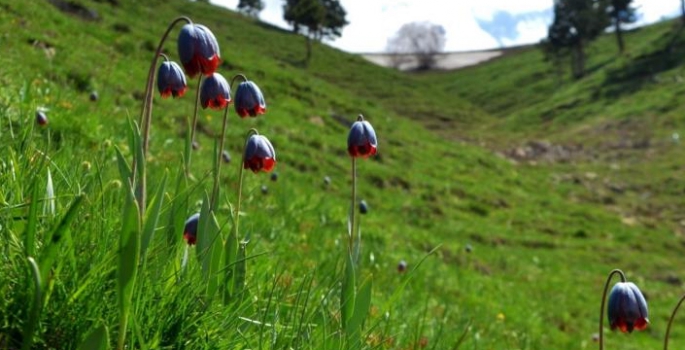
x=469, y=25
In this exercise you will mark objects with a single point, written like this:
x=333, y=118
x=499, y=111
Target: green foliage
x=536, y=231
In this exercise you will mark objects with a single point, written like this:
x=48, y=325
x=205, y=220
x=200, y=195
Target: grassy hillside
x=519, y=251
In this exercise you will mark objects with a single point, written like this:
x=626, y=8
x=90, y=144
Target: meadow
x=508, y=189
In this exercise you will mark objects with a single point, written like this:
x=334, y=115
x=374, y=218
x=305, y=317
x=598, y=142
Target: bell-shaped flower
x=215, y=92
x=190, y=229
x=259, y=154
x=41, y=118
x=170, y=80
x=249, y=100
x=198, y=50
x=361, y=141
x=627, y=309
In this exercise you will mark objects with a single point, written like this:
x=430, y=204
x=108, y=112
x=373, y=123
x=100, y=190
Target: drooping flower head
x=215, y=92
x=259, y=154
x=627, y=309
x=363, y=207
x=190, y=229
x=41, y=118
x=170, y=80
x=361, y=141
x=198, y=50
x=249, y=100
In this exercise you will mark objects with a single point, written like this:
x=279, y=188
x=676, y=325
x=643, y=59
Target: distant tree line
x=579, y=22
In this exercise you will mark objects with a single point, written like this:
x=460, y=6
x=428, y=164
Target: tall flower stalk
x=670, y=321
x=258, y=155
x=146, y=119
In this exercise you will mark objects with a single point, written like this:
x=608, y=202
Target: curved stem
x=217, y=173
x=241, y=76
x=670, y=321
x=146, y=115
x=604, y=297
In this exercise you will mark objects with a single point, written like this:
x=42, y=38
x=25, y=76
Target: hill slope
x=520, y=252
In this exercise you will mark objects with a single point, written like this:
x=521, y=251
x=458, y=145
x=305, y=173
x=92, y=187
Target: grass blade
x=98, y=339
x=30, y=233
x=153, y=216
x=36, y=306
x=124, y=168
x=50, y=252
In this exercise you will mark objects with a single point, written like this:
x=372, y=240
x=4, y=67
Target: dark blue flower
x=627, y=309
x=190, y=229
x=198, y=50
x=41, y=118
x=170, y=80
x=249, y=100
x=361, y=141
x=402, y=266
x=363, y=207
x=259, y=154
x=215, y=92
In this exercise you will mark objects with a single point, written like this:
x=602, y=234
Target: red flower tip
x=259, y=154
x=190, y=238
x=363, y=151
x=361, y=140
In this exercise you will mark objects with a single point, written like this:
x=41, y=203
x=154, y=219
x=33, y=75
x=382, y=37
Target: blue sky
x=470, y=25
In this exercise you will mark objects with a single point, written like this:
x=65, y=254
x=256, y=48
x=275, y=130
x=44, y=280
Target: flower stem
x=670, y=321
x=604, y=297
x=146, y=116
x=240, y=180
x=217, y=173
x=193, y=123
x=353, y=212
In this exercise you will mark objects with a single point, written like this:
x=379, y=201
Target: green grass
x=543, y=235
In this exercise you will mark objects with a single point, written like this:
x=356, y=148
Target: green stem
x=240, y=180
x=146, y=114
x=217, y=173
x=193, y=124
x=353, y=212
x=670, y=321
x=604, y=297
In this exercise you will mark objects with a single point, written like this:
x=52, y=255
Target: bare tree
x=422, y=40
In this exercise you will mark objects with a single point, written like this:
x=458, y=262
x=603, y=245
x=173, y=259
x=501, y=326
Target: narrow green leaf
x=215, y=255
x=138, y=149
x=129, y=248
x=230, y=257
x=52, y=244
x=124, y=168
x=347, y=297
x=98, y=339
x=361, y=306
x=203, y=238
x=36, y=306
x=30, y=234
x=153, y=216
